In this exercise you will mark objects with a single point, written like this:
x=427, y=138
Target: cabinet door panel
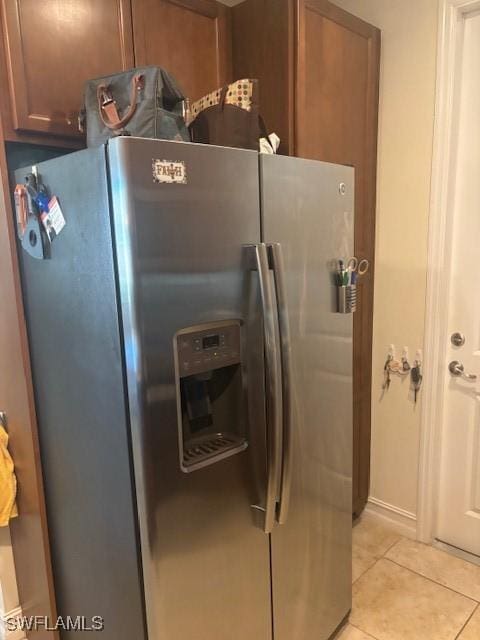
x=336, y=121
x=263, y=48
x=52, y=48
x=189, y=38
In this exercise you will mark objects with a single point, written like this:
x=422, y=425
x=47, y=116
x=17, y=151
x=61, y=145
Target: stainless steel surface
x=75, y=344
x=311, y=553
x=458, y=370
x=286, y=360
x=457, y=339
x=273, y=386
x=181, y=263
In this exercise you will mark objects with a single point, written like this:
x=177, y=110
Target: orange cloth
x=8, y=482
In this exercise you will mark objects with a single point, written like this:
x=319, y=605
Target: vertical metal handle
x=286, y=360
x=273, y=386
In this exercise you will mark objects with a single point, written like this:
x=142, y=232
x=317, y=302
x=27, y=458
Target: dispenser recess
x=211, y=404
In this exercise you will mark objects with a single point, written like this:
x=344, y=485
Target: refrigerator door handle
x=272, y=384
x=276, y=258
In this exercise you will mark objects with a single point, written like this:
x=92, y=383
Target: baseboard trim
x=454, y=551
x=18, y=634
x=402, y=521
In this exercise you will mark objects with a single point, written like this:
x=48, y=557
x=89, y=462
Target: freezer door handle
x=276, y=259
x=272, y=385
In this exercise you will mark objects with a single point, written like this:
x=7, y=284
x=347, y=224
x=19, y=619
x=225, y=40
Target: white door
x=459, y=497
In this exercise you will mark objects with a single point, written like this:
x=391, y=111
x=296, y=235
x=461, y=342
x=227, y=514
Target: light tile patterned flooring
x=405, y=590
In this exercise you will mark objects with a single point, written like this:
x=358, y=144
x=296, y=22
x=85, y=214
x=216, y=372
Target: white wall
x=407, y=93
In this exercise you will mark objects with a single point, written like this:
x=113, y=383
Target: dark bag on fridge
x=144, y=102
x=228, y=117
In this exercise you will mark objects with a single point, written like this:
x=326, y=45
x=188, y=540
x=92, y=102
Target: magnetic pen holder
x=347, y=298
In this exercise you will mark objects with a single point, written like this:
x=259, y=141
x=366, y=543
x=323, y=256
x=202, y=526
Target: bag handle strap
x=223, y=96
x=107, y=106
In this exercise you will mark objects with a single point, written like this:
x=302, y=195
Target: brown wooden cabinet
x=318, y=68
x=51, y=48
x=190, y=38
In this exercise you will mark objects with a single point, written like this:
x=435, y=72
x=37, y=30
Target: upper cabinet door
x=52, y=48
x=189, y=38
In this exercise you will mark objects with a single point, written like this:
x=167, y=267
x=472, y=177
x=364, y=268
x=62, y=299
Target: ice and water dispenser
x=212, y=415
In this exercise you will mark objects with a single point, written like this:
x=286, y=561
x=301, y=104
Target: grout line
x=376, y=558
x=459, y=593
x=366, y=571
x=365, y=632
x=392, y=545
x=467, y=621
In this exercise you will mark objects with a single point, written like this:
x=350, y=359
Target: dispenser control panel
x=210, y=347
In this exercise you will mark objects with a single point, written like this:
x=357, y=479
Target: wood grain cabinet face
x=189, y=38
x=52, y=48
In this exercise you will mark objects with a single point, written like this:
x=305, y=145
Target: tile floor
x=405, y=590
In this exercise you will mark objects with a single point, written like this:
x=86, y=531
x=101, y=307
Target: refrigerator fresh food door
x=307, y=208
x=183, y=217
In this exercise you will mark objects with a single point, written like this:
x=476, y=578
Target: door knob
x=457, y=369
x=3, y=419
x=457, y=339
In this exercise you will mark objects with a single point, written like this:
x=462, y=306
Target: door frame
x=452, y=15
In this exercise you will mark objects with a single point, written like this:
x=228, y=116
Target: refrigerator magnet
x=169, y=172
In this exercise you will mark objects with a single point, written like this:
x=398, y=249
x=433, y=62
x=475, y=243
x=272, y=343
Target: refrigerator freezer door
x=182, y=214
x=76, y=354
x=307, y=211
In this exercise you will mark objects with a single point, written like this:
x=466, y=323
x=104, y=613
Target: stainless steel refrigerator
x=193, y=385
